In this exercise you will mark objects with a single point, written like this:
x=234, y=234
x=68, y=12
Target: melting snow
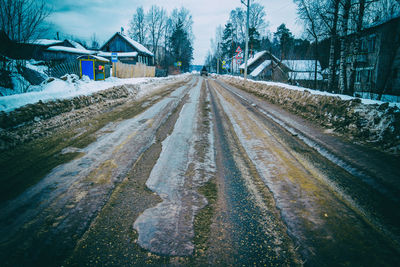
x=168, y=227
x=315, y=92
x=59, y=89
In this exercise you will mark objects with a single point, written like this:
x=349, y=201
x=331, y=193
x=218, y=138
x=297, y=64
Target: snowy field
x=71, y=87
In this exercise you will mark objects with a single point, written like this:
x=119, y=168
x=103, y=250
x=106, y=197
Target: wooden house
x=58, y=50
x=265, y=66
x=128, y=51
x=377, y=64
x=378, y=61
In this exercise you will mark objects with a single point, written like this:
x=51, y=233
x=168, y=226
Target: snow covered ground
x=393, y=100
x=71, y=87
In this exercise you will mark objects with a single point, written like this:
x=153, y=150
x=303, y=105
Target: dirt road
x=201, y=173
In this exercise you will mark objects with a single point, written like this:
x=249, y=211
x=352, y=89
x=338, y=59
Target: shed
x=97, y=68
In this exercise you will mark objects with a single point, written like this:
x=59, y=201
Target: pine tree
x=254, y=40
x=285, y=38
x=181, y=47
x=228, y=46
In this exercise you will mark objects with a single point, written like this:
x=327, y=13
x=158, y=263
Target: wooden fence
x=122, y=70
x=58, y=70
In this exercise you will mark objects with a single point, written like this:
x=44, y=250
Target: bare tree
x=138, y=27
x=359, y=17
x=381, y=10
x=330, y=17
x=238, y=20
x=156, y=19
x=23, y=20
x=186, y=18
x=94, y=43
x=308, y=11
x=343, y=46
x=257, y=17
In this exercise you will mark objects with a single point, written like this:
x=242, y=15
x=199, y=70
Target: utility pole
x=218, y=58
x=247, y=37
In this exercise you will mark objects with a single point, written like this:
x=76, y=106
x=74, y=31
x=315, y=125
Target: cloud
x=82, y=18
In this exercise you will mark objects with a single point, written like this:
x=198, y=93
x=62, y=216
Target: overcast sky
x=82, y=18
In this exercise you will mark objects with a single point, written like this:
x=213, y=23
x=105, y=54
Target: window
x=358, y=76
x=363, y=45
x=371, y=44
x=370, y=77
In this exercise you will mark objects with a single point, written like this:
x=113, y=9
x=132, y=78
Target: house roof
x=76, y=44
x=70, y=50
x=119, y=54
x=307, y=76
x=132, y=42
x=260, y=68
x=46, y=42
x=94, y=57
x=253, y=59
x=302, y=65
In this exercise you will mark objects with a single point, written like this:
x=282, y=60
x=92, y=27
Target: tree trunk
x=343, y=48
x=316, y=65
x=356, y=46
x=332, y=49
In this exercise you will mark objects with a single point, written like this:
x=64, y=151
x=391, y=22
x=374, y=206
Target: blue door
x=87, y=69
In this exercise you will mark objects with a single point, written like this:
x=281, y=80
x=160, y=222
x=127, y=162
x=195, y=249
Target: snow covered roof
x=95, y=57
x=302, y=65
x=46, y=42
x=307, y=76
x=135, y=44
x=325, y=71
x=253, y=59
x=119, y=54
x=260, y=68
x=70, y=50
x=76, y=44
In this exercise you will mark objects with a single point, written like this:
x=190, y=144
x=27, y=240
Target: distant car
x=204, y=71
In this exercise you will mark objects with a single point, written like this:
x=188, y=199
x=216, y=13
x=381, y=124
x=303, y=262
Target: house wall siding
x=118, y=44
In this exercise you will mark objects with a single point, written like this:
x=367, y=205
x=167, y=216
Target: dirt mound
x=375, y=124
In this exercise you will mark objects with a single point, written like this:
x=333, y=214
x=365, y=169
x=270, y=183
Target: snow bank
x=364, y=120
x=313, y=92
x=54, y=89
x=60, y=96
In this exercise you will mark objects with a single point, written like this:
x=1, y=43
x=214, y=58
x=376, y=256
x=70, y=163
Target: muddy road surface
x=198, y=173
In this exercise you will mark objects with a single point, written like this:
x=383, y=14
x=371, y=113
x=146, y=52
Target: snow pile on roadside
x=70, y=94
x=311, y=91
x=69, y=87
x=19, y=83
x=364, y=120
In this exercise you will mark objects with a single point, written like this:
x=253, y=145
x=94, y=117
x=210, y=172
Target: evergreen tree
x=286, y=40
x=228, y=45
x=181, y=47
x=254, y=40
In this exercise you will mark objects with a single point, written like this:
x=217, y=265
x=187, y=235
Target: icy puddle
x=168, y=227
x=80, y=187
